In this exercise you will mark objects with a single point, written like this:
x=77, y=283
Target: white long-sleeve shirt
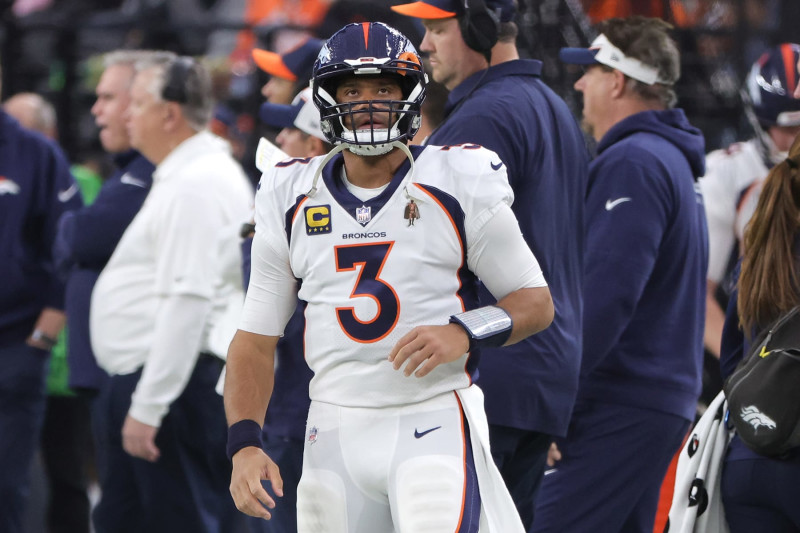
x=158, y=301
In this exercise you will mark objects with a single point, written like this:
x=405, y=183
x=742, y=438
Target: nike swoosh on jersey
x=611, y=204
x=64, y=196
x=496, y=166
x=419, y=435
x=128, y=179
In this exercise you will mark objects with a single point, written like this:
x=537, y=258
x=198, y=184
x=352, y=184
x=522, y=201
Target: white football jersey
x=730, y=173
x=370, y=271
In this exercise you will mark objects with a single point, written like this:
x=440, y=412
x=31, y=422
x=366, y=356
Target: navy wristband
x=242, y=434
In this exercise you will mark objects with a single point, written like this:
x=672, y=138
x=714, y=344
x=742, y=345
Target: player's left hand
x=139, y=439
x=428, y=347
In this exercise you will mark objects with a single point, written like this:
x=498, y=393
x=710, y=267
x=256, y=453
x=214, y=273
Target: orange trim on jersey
x=353, y=293
x=297, y=209
x=422, y=10
x=455, y=230
x=789, y=66
x=365, y=27
x=464, y=440
x=463, y=256
x=305, y=331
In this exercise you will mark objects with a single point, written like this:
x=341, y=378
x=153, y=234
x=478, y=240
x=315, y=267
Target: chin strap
x=343, y=146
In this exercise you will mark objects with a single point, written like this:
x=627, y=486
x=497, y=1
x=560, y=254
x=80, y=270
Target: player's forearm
x=249, y=376
x=531, y=311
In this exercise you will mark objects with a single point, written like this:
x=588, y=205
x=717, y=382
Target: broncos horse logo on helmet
x=368, y=49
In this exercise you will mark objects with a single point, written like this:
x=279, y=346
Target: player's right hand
x=250, y=466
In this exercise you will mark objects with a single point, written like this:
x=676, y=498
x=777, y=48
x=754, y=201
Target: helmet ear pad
x=479, y=26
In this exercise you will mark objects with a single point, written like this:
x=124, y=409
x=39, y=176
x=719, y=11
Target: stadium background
x=55, y=51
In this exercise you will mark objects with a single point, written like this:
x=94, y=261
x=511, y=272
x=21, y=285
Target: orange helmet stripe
x=790, y=67
x=365, y=25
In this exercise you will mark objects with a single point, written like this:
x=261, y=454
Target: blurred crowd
x=51, y=47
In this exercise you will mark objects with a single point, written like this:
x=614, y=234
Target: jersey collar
x=333, y=182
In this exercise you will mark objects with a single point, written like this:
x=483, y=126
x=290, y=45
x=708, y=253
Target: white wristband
x=487, y=327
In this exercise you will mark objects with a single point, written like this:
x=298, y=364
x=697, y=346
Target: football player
x=396, y=435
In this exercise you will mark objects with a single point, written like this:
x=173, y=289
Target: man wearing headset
x=156, y=311
x=530, y=387
x=396, y=438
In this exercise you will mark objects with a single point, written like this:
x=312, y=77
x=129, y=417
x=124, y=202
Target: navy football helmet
x=369, y=48
x=770, y=87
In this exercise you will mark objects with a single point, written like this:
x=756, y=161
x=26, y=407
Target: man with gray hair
x=87, y=237
x=33, y=112
x=644, y=286
x=156, y=314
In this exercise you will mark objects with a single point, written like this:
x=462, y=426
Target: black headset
x=480, y=26
x=175, y=84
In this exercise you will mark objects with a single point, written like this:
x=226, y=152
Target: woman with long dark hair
x=760, y=493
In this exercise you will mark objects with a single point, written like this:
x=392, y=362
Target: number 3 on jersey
x=371, y=258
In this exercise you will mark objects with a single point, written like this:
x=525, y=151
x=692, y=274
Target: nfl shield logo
x=312, y=435
x=363, y=214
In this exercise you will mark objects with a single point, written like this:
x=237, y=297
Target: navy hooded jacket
x=646, y=260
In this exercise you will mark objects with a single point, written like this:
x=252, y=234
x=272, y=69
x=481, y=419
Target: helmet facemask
x=344, y=122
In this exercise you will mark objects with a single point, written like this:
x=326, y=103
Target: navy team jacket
x=36, y=188
x=646, y=261
x=86, y=239
x=508, y=109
